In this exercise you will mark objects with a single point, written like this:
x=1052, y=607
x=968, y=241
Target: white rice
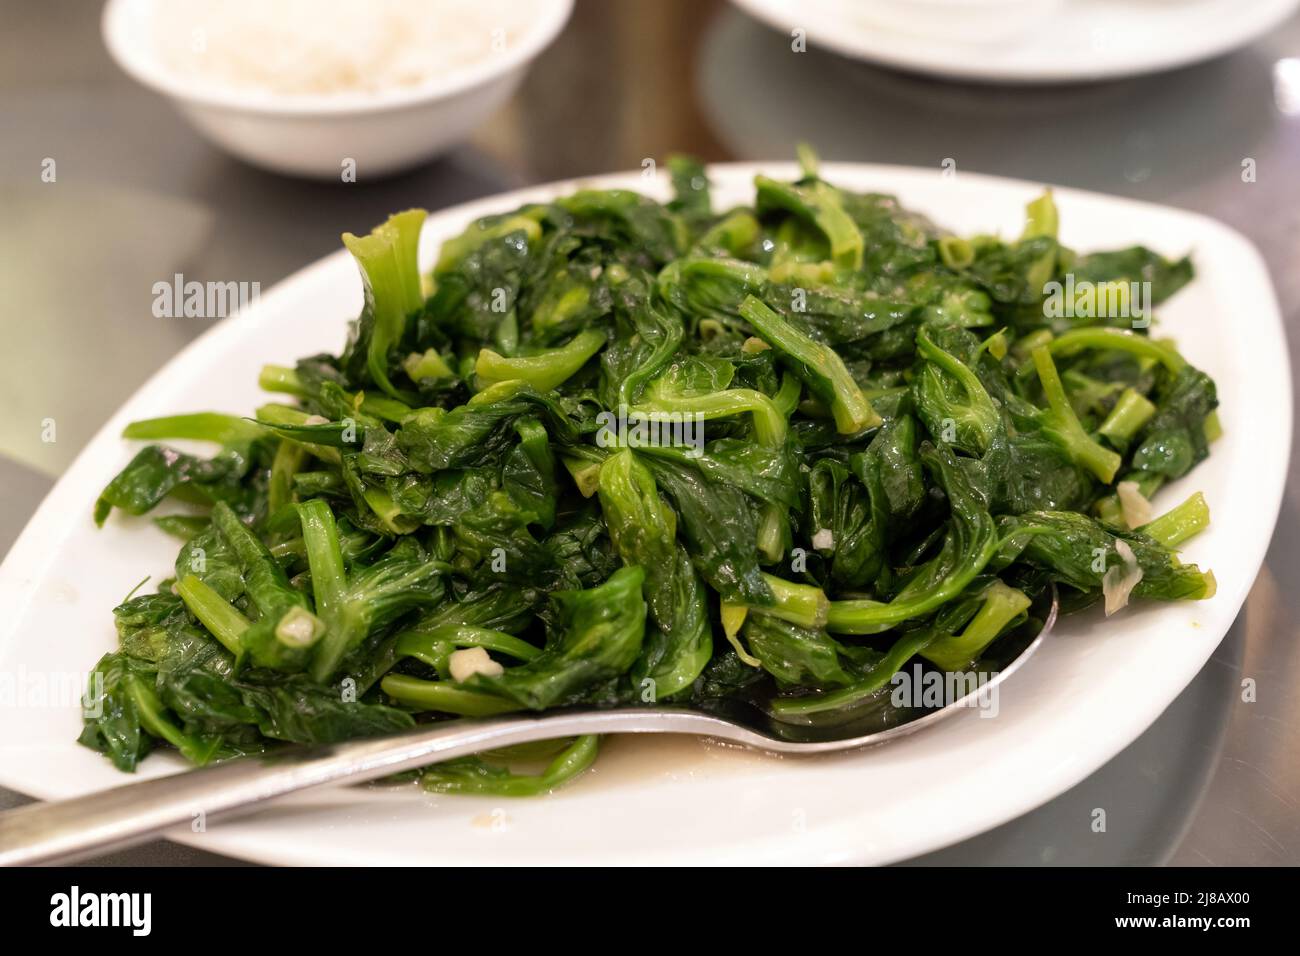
x=314, y=47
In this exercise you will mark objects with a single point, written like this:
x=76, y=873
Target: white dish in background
x=1091, y=689
x=311, y=134
x=960, y=21
x=1026, y=41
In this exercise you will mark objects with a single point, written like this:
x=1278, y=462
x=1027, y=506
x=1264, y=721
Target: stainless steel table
x=139, y=197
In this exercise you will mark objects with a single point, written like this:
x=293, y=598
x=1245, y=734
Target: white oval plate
x=1058, y=41
x=1093, y=688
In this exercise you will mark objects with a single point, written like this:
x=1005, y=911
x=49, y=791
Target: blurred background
x=140, y=195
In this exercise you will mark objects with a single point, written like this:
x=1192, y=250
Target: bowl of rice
x=332, y=89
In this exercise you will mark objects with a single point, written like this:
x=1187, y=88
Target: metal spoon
x=68, y=830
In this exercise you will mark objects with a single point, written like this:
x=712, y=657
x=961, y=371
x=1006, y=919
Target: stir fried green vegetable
x=618, y=452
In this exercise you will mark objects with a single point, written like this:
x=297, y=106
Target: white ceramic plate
x=1093, y=688
x=1027, y=41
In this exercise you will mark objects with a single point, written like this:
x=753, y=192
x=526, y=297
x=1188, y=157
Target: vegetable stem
x=1002, y=605
x=215, y=613
x=1132, y=410
x=769, y=423
x=802, y=604
x=820, y=366
x=444, y=696
x=545, y=370
x=1122, y=340
x=1063, y=424
x=1180, y=522
x=199, y=426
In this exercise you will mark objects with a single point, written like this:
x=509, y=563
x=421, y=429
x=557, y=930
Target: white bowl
x=314, y=135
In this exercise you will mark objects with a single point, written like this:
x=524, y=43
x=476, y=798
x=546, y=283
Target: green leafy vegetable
x=606, y=431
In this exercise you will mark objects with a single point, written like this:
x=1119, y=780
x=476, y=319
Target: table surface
x=139, y=196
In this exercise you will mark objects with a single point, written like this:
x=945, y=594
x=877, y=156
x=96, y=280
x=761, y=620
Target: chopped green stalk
x=388, y=513
x=445, y=696
x=391, y=276
x=299, y=628
x=1131, y=412
x=1062, y=425
x=1041, y=218
x=771, y=532
x=270, y=591
x=863, y=616
x=277, y=415
x=1109, y=511
x=996, y=344
x=769, y=423
x=325, y=556
x=1213, y=427
x=787, y=396
x=809, y=162
x=1024, y=347
x=354, y=607
x=1121, y=340
x=956, y=253
x=794, y=272
x=1179, y=523
x=733, y=617
x=199, y=426
x=429, y=365
x=389, y=409
x=585, y=474
x=433, y=645
x=735, y=235
x=1001, y=606
x=329, y=585
x=802, y=604
x=350, y=608
x=215, y=613
x=820, y=367
x=278, y=378
x=288, y=423
x=289, y=458
x=545, y=370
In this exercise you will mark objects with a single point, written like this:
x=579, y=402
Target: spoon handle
x=67, y=830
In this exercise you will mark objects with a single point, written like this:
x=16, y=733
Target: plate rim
x=769, y=14
x=53, y=519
